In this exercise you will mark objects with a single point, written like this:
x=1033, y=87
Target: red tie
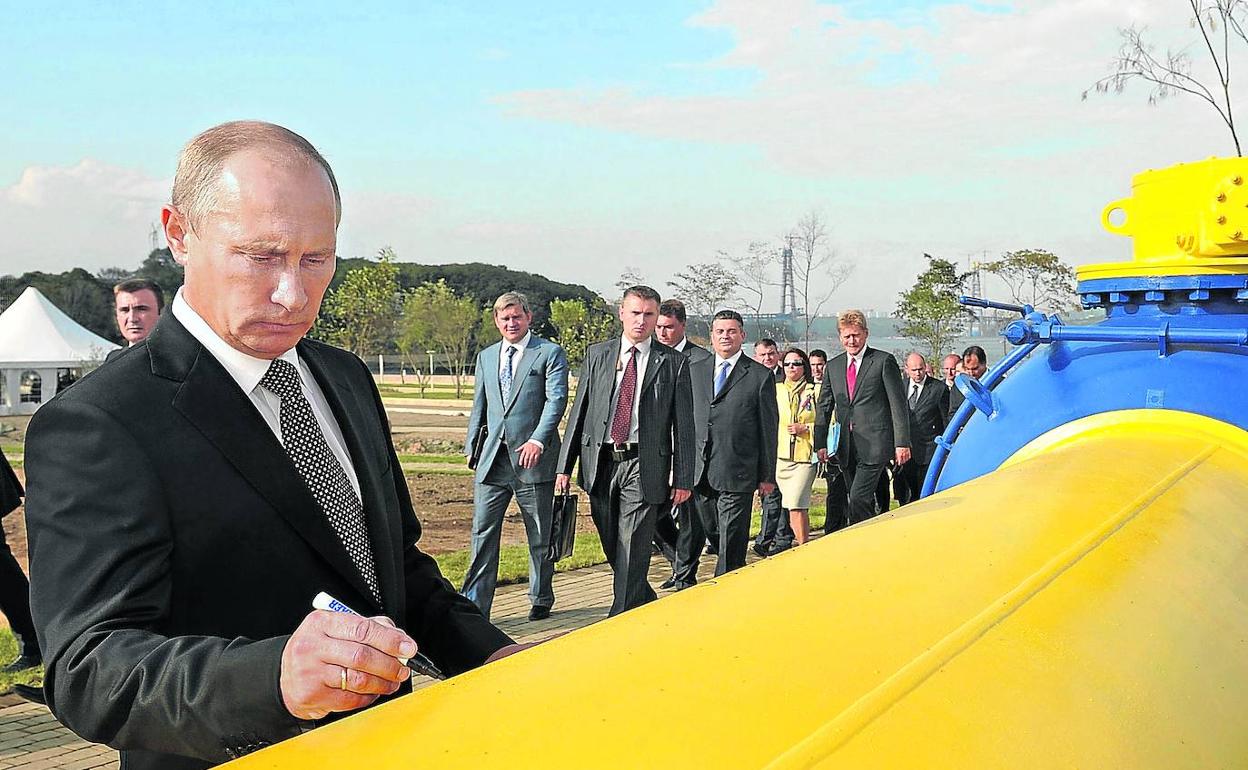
x=851, y=377
x=622, y=421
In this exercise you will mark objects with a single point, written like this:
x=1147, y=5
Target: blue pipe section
x=1184, y=352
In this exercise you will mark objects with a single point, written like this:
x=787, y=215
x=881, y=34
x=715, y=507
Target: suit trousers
x=15, y=601
x=776, y=532
x=908, y=481
x=680, y=538
x=490, y=500
x=837, y=509
x=862, y=480
x=730, y=513
x=625, y=523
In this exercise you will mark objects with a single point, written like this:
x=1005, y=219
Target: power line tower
x=788, y=292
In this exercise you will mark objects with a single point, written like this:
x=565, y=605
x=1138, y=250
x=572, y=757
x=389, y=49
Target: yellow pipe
x=1085, y=605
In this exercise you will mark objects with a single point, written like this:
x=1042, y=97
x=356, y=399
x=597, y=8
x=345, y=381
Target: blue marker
x=418, y=663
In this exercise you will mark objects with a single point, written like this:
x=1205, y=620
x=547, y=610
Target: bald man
x=927, y=404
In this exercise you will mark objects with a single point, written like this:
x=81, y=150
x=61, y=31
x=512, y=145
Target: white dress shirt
x=515, y=359
x=680, y=346
x=247, y=371
x=732, y=364
x=643, y=356
x=915, y=389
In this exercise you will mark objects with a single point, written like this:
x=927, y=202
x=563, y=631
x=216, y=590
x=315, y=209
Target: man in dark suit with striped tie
x=631, y=428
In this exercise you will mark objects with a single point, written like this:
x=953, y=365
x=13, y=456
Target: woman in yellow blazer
x=795, y=473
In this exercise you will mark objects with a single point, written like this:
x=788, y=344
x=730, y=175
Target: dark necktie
x=914, y=395
x=321, y=471
x=505, y=380
x=622, y=422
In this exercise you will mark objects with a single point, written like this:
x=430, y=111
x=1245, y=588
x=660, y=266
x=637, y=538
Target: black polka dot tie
x=321, y=471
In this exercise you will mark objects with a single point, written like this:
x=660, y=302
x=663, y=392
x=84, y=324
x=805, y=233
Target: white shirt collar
x=858, y=358
x=643, y=347
x=521, y=344
x=732, y=360
x=246, y=370
x=680, y=346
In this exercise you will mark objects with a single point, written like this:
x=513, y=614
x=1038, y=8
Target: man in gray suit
x=678, y=531
x=864, y=385
x=631, y=427
x=521, y=392
x=737, y=418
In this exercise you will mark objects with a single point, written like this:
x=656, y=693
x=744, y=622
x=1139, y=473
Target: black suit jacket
x=10, y=488
x=928, y=418
x=664, y=419
x=738, y=429
x=877, y=412
x=174, y=547
x=114, y=354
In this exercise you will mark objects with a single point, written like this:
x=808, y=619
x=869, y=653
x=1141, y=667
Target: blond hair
x=507, y=299
x=851, y=318
x=201, y=160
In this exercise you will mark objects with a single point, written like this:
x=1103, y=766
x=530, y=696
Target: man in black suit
x=927, y=401
x=864, y=385
x=14, y=587
x=631, y=427
x=974, y=364
x=678, y=530
x=775, y=534
x=137, y=303
x=734, y=401
x=187, y=502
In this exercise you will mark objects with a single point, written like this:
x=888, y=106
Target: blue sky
x=575, y=140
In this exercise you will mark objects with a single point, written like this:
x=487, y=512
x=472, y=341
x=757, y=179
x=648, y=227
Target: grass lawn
x=391, y=391
x=8, y=652
x=405, y=457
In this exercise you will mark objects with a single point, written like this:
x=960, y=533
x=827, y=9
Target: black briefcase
x=478, y=444
x=563, y=527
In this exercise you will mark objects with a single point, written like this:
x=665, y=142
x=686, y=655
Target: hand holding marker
x=418, y=663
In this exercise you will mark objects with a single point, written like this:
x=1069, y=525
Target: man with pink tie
x=863, y=386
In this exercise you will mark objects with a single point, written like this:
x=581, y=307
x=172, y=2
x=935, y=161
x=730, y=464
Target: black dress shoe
x=778, y=548
x=32, y=694
x=760, y=549
x=666, y=584
x=539, y=613
x=682, y=585
x=22, y=663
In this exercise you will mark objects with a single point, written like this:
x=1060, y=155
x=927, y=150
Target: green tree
x=1036, y=277
x=929, y=311
x=360, y=314
x=704, y=287
x=579, y=326
x=436, y=318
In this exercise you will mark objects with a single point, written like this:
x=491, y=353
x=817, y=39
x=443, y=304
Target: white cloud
x=984, y=144
x=90, y=215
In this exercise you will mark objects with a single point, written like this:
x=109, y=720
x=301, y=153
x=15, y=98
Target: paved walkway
x=31, y=739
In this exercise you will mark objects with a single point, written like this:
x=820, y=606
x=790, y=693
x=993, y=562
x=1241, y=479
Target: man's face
x=973, y=365
x=854, y=338
x=949, y=367
x=638, y=316
x=669, y=330
x=767, y=355
x=916, y=369
x=258, y=263
x=512, y=322
x=727, y=337
x=816, y=368
x=136, y=314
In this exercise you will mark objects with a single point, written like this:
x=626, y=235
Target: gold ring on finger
x=342, y=683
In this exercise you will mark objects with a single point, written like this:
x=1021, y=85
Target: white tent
x=39, y=347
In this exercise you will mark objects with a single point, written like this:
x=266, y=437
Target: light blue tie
x=721, y=377
x=505, y=380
